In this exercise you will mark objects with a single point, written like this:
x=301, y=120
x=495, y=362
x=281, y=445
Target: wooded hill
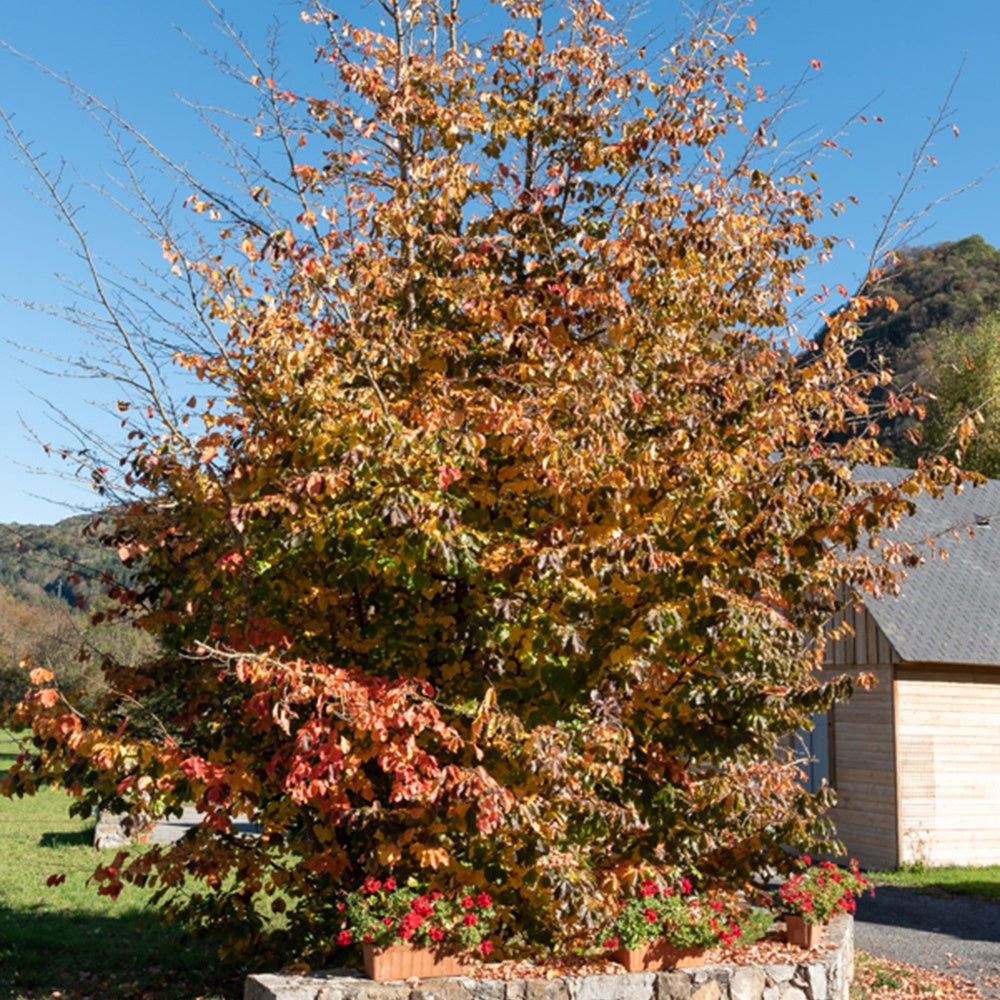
x=49, y=583
x=942, y=338
x=61, y=561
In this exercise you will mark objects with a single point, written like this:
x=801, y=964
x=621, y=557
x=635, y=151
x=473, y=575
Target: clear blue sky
x=890, y=59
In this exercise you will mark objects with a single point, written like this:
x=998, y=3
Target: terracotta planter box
x=656, y=955
x=797, y=931
x=400, y=961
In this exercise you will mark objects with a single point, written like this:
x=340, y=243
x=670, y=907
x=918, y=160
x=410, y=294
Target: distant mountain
x=40, y=562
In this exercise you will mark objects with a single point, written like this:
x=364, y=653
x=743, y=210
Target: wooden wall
x=949, y=764
x=862, y=747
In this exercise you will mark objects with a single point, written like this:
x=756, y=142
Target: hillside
x=49, y=579
x=54, y=561
x=942, y=340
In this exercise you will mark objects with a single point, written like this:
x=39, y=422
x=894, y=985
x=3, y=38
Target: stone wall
x=825, y=978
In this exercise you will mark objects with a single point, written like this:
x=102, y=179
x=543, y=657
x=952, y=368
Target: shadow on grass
x=925, y=909
x=82, y=955
x=64, y=838
x=980, y=888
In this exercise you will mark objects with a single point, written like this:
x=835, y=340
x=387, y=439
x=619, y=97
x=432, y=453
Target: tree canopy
x=499, y=553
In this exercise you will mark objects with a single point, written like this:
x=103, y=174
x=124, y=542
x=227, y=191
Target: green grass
x=981, y=882
x=66, y=941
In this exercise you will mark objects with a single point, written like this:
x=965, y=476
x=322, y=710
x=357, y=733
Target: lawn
x=66, y=941
x=981, y=882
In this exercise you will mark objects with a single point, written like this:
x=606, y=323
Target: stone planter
x=401, y=961
x=654, y=956
x=824, y=974
x=797, y=931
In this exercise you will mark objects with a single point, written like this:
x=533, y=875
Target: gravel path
x=950, y=933
x=166, y=831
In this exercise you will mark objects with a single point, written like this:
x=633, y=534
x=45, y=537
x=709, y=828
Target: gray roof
x=948, y=609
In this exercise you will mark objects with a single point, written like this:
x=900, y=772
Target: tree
x=962, y=412
x=939, y=342
x=500, y=553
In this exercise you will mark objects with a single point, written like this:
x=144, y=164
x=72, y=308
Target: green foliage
x=499, y=552
x=940, y=343
x=963, y=415
x=674, y=912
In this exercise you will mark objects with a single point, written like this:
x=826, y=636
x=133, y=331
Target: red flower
x=390, y=884
x=610, y=943
x=806, y=860
x=483, y=900
x=367, y=939
x=387, y=921
x=648, y=888
x=467, y=902
x=469, y=919
x=344, y=938
x=716, y=905
x=685, y=886
x=423, y=906
x=372, y=885
x=668, y=890
x=486, y=947
x=651, y=916
x=406, y=933
x=436, y=934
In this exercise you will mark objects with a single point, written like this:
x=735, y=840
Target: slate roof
x=948, y=610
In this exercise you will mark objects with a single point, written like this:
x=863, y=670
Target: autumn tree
x=499, y=553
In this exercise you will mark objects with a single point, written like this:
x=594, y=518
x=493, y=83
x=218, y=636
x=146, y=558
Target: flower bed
x=765, y=970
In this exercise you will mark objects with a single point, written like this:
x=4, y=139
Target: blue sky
x=891, y=59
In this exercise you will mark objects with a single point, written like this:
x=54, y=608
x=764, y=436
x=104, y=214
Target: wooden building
x=915, y=760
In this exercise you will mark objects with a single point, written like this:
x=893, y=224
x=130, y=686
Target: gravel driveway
x=950, y=933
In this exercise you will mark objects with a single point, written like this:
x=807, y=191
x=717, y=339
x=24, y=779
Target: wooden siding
x=862, y=743
x=863, y=771
x=949, y=764
x=863, y=645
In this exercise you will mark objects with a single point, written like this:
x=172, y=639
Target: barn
x=915, y=760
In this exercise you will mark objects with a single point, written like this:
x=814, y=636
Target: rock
x=777, y=974
x=747, y=984
x=382, y=991
x=600, y=988
x=445, y=988
x=674, y=985
x=789, y=992
x=546, y=989
x=816, y=981
x=490, y=989
x=708, y=991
